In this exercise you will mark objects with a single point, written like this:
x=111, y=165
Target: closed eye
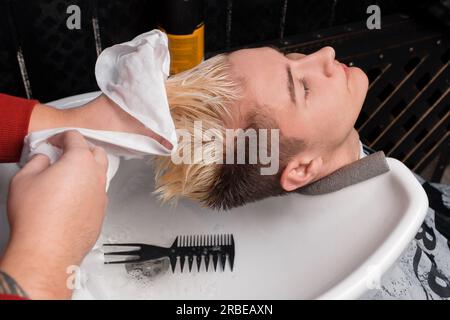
x=305, y=87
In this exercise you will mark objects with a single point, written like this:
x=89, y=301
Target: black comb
x=219, y=246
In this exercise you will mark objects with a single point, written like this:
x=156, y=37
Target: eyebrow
x=290, y=78
x=290, y=85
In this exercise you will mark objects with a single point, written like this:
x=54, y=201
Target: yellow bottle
x=182, y=21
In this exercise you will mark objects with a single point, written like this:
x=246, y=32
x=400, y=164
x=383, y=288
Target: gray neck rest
x=368, y=167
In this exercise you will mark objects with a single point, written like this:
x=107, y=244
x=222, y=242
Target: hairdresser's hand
x=115, y=119
x=55, y=214
x=100, y=114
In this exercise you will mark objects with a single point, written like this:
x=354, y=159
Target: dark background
x=60, y=62
x=406, y=113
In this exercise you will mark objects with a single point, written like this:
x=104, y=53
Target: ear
x=299, y=172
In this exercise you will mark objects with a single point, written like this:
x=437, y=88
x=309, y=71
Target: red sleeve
x=15, y=116
x=11, y=297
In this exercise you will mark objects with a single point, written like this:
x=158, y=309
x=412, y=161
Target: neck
x=346, y=153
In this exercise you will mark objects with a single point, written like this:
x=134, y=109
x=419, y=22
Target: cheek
x=333, y=117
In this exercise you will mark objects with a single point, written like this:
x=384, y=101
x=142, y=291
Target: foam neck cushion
x=361, y=170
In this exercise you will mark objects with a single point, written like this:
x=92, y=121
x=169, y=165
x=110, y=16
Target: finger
x=36, y=165
x=69, y=140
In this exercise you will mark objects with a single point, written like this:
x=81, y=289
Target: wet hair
x=238, y=184
x=206, y=93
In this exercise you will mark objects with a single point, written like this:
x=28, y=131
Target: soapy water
x=148, y=270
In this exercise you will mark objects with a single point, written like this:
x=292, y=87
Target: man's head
x=313, y=100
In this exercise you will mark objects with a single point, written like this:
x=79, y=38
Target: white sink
x=333, y=246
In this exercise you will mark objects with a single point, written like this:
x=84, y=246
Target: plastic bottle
x=183, y=22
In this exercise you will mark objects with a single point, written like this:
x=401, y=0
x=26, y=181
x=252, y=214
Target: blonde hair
x=204, y=93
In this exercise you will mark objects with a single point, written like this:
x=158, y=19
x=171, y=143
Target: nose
x=323, y=59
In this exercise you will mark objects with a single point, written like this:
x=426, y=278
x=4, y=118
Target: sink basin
x=333, y=246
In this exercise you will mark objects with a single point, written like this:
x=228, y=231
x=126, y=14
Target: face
x=312, y=97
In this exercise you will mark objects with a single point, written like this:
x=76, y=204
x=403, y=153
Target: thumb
x=36, y=165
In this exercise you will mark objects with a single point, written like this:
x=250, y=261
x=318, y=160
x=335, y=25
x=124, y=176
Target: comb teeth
x=206, y=246
x=204, y=240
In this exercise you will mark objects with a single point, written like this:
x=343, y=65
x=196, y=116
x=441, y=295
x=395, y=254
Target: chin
x=360, y=85
x=361, y=78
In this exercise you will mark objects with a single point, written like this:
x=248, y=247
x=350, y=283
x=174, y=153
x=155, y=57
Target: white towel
x=131, y=74
x=361, y=150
